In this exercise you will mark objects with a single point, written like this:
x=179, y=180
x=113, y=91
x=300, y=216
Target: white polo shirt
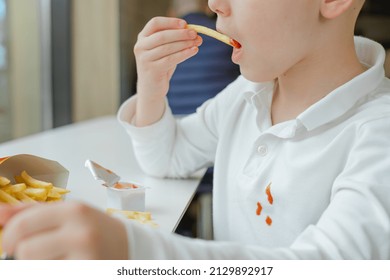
x=316, y=187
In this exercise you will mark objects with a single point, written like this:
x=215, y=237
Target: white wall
x=95, y=48
x=24, y=66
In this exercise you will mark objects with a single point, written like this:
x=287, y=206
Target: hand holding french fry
x=215, y=34
x=161, y=46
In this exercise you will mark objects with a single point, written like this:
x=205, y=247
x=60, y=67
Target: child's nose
x=220, y=7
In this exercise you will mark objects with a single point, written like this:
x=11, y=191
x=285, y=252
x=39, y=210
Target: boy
x=300, y=142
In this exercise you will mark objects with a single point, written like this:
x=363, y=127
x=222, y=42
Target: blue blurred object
x=204, y=75
x=3, y=9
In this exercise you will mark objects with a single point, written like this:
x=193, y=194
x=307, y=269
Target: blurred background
x=65, y=61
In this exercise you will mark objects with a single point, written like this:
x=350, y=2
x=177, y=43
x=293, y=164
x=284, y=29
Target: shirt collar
x=342, y=99
x=339, y=101
x=253, y=91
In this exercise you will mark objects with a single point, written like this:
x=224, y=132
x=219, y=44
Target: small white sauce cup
x=126, y=197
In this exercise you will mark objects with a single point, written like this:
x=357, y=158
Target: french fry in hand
x=214, y=34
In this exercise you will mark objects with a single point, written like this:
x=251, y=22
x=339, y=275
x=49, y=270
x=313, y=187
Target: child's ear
x=331, y=9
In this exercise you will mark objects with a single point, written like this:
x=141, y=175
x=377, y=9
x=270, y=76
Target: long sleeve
x=177, y=147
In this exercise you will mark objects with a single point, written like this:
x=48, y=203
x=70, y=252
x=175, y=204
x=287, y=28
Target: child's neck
x=311, y=80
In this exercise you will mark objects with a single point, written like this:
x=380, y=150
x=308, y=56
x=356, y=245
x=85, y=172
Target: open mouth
x=235, y=44
x=215, y=34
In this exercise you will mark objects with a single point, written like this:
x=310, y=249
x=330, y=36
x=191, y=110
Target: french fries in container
x=30, y=179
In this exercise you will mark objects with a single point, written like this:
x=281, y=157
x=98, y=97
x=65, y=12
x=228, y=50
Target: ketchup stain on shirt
x=268, y=220
x=259, y=208
x=269, y=195
x=270, y=199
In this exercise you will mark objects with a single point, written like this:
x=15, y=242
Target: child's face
x=275, y=34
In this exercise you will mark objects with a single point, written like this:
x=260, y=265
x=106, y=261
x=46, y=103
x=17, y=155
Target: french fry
x=14, y=188
x=53, y=194
x=142, y=217
x=61, y=191
x=29, y=189
x=7, y=198
x=39, y=194
x=214, y=34
x=34, y=183
x=53, y=199
x=4, y=181
x=18, y=179
x=24, y=197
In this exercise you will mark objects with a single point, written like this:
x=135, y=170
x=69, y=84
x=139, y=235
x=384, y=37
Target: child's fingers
x=48, y=245
x=7, y=211
x=178, y=57
x=166, y=37
x=162, y=23
x=38, y=218
x=169, y=49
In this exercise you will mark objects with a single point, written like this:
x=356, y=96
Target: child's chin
x=237, y=55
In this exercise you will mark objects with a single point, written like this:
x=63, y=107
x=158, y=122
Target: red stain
x=269, y=195
x=270, y=199
x=268, y=220
x=259, y=208
x=125, y=186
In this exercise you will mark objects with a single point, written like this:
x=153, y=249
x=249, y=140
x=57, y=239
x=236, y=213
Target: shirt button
x=262, y=150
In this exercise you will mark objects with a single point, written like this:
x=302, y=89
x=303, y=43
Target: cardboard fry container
x=126, y=196
x=37, y=167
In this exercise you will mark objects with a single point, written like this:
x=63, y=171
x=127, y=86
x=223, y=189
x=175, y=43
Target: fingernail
x=182, y=24
x=199, y=40
x=192, y=33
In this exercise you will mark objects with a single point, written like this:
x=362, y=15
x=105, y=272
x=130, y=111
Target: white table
x=103, y=140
